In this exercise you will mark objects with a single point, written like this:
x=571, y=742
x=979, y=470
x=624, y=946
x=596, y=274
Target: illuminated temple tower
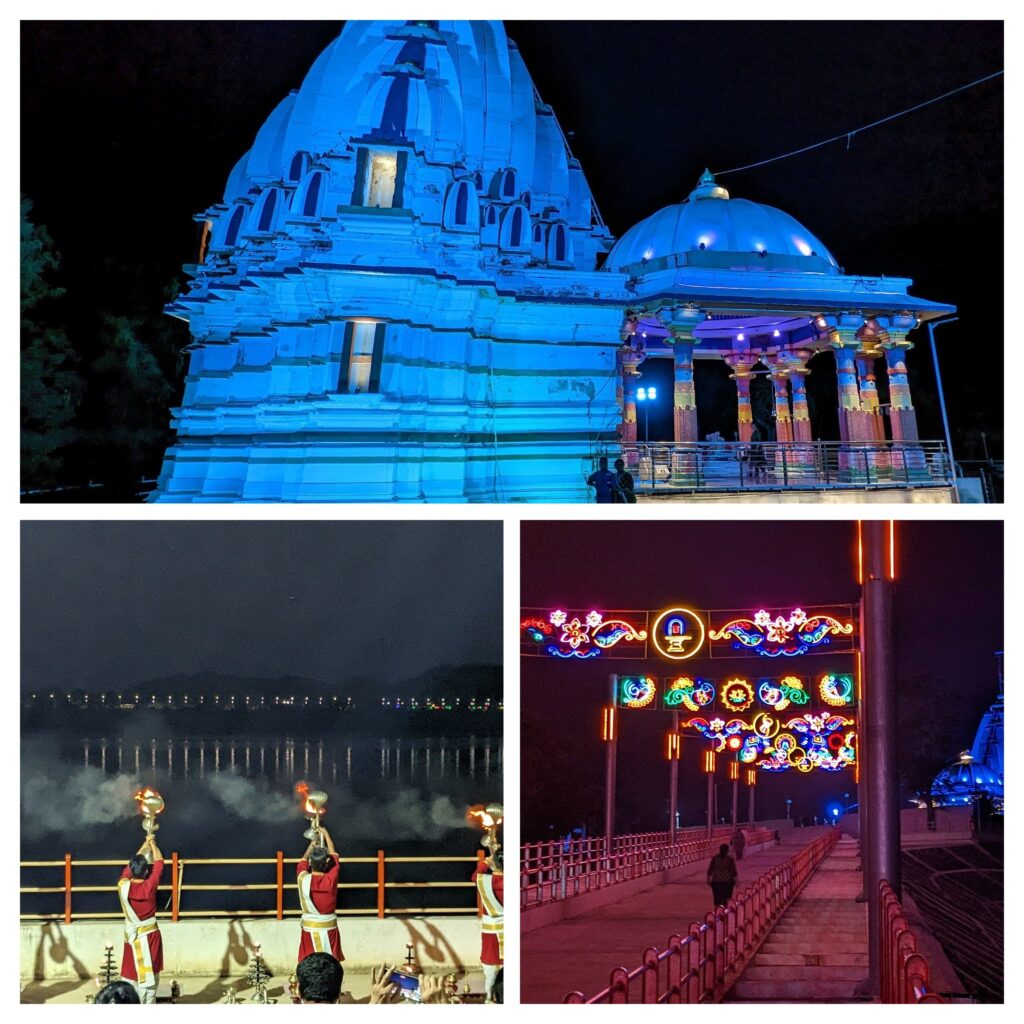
x=978, y=771
x=408, y=294
x=398, y=297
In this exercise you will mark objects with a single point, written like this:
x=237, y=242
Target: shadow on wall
x=433, y=944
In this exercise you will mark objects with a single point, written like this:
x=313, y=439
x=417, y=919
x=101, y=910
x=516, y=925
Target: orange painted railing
x=904, y=976
x=693, y=968
x=177, y=864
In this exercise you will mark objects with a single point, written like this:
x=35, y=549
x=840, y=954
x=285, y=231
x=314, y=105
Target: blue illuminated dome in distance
x=711, y=229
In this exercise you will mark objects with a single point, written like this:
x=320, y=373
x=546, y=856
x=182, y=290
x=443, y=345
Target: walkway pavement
x=580, y=954
x=818, y=951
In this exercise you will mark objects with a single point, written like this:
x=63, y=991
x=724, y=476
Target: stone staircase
x=818, y=952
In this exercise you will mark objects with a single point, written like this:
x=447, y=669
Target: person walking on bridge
x=318, y=898
x=722, y=875
x=143, y=958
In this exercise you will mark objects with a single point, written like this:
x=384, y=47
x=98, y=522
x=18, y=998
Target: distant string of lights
x=863, y=128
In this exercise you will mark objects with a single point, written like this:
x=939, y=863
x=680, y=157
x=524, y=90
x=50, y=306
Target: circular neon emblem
x=678, y=634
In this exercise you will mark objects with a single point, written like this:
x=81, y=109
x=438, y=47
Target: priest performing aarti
x=143, y=958
x=318, y=885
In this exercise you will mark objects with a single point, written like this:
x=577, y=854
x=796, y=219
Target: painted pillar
x=843, y=331
x=902, y=417
x=744, y=416
x=684, y=402
x=801, y=414
x=872, y=414
x=783, y=416
x=629, y=360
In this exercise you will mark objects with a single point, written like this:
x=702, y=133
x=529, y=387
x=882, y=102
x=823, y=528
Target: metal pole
x=750, y=806
x=879, y=712
x=735, y=803
x=942, y=397
x=611, y=743
x=673, y=784
x=711, y=803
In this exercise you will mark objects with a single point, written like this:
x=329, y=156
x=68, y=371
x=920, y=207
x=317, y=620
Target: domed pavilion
x=718, y=278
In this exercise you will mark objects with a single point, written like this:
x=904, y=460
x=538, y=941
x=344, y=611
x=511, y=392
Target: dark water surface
x=235, y=798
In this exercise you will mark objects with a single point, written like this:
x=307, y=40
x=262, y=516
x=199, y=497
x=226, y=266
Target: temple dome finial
x=708, y=189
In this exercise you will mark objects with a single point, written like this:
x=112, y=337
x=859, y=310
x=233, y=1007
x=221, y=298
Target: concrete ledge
x=532, y=918
x=864, y=496
x=55, y=951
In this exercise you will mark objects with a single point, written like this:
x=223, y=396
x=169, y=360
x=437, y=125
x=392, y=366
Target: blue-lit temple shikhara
x=408, y=294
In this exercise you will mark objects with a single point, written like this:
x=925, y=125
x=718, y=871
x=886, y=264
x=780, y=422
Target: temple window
x=507, y=185
x=267, y=208
x=461, y=207
x=559, y=245
x=297, y=168
x=234, y=226
x=380, y=181
x=515, y=228
x=362, y=352
x=312, y=193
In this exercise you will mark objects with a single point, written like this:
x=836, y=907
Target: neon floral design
x=776, y=637
x=584, y=638
x=638, y=692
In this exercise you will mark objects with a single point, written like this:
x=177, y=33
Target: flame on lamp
x=148, y=794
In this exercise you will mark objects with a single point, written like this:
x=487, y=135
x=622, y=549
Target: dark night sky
x=130, y=128
x=949, y=615
x=106, y=604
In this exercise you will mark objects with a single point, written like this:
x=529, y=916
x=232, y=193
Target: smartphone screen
x=406, y=982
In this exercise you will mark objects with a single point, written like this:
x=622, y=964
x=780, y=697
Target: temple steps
x=818, y=951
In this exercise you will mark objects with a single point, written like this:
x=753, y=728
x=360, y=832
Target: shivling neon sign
x=678, y=633
x=778, y=637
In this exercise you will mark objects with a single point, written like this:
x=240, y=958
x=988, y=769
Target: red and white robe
x=491, y=887
x=143, y=958
x=318, y=898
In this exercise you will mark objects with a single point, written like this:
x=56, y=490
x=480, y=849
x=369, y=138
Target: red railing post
x=67, y=888
x=280, y=885
x=380, y=883
x=481, y=863
x=174, y=886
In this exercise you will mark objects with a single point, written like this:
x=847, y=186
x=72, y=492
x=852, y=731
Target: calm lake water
x=233, y=798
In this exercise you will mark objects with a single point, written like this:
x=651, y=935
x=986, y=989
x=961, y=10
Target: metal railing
x=708, y=466
x=905, y=977
x=175, y=865
x=694, y=968
x=561, y=869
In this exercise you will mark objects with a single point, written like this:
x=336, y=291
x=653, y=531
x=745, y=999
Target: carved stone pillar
x=629, y=360
x=874, y=430
x=783, y=416
x=845, y=343
x=744, y=416
x=801, y=414
x=902, y=417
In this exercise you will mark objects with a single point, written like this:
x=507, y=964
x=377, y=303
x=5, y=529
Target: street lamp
x=966, y=758
x=645, y=395
x=789, y=804
x=846, y=802
x=938, y=382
